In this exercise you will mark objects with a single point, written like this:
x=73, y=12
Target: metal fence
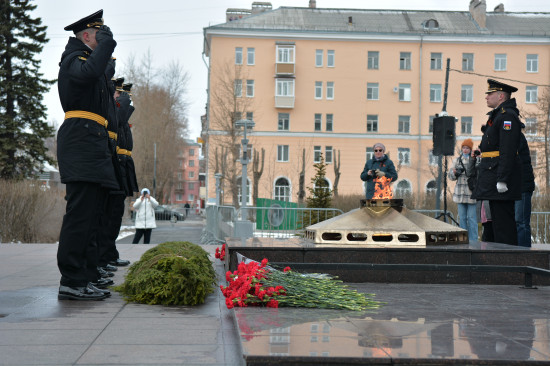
x=281, y=222
x=273, y=222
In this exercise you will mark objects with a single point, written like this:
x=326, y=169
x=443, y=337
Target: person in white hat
x=144, y=208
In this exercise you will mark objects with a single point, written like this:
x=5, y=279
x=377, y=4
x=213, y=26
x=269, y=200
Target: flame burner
x=385, y=222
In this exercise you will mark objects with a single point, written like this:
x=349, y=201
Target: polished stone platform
x=297, y=250
x=418, y=325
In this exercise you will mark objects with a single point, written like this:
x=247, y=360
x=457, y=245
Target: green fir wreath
x=172, y=273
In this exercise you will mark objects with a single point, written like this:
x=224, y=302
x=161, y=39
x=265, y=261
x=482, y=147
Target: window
x=467, y=62
x=318, y=58
x=330, y=58
x=372, y=123
x=191, y=185
x=191, y=174
x=432, y=159
x=404, y=124
x=191, y=197
x=404, y=155
x=404, y=92
x=237, y=116
x=282, y=189
x=317, y=122
x=435, y=61
x=530, y=126
x=435, y=93
x=180, y=185
x=532, y=63
x=191, y=152
x=330, y=89
x=466, y=125
x=431, y=124
x=284, y=122
x=370, y=153
x=533, y=154
x=372, y=60
x=250, y=115
x=180, y=176
x=285, y=88
x=250, y=88
x=238, y=55
x=467, y=93
x=318, y=90
x=191, y=163
x=316, y=154
x=431, y=187
x=285, y=54
x=405, y=61
x=500, y=62
x=282, y=153
x=328, y=122
x=372, y=91
x=238, y=88
x=328, y=154
x=531, y=94
x=250, y=56
x=403, y=188
x=240, y=190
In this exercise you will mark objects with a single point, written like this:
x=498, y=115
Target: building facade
x=187, y=183
x=336, y=81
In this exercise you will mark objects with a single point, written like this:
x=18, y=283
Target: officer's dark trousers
x=504, y=222
x=77, y=253
x=110, y=228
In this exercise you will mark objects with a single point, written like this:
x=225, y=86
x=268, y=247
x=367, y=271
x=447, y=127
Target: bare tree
x=541, y=139
x=336, y=173
x=257, y=171
x=159, y=122
x=302, y=179
x=227, y=105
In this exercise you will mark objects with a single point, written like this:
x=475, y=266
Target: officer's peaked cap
x=494, y=86
x=94, y=20
x=127, y=87
x=118, y=83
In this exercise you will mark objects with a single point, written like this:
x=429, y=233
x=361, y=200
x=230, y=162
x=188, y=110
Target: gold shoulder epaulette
x=87, y=53
x=82, y=58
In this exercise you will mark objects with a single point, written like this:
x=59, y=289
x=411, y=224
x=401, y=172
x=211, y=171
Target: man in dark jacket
x=85, y=160
x=499, y=179
x=377, y=167
x=523, y=206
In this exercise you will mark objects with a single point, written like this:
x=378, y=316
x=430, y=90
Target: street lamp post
x=218, y=176
x=244, y=228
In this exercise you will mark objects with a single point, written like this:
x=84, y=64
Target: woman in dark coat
x=379, y=166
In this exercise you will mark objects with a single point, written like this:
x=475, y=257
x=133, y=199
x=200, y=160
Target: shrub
x=172, y=273
x=30, y=214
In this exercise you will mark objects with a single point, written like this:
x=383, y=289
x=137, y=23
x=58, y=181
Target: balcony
x=284, y=102
x=284, y=69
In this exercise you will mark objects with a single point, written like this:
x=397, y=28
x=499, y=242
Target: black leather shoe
x=120, y=262
x=103, y=273
x=101, y=291
x=79, y=293
x=103, y=283
x=110, y=268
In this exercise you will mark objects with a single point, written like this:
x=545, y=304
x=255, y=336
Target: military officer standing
x=85, y=160
x=500, y=168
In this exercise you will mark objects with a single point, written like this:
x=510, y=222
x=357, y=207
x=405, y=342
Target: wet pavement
x=419, y=324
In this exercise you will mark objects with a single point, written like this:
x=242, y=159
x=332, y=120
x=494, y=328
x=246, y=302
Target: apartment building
x=336, y=81
x=187, y=183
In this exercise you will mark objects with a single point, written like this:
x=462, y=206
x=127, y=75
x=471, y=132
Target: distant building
x=187, y=178
x=335, y=81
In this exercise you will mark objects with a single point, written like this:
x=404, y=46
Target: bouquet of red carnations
x=257, y=284
x=220, y=254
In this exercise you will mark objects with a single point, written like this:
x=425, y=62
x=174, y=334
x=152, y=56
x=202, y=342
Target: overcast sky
x=173, y=30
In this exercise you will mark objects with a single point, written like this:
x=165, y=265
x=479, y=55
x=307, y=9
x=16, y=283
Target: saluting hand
x=104, y=33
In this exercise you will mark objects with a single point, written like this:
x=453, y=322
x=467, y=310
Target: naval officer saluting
x=85, y=162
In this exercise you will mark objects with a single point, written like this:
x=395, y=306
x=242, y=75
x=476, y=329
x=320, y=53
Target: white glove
x=501, y=187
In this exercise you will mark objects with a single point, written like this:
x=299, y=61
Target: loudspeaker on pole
x=444, y=135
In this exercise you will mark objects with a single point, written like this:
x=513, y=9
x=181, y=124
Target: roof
x=391, y=22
